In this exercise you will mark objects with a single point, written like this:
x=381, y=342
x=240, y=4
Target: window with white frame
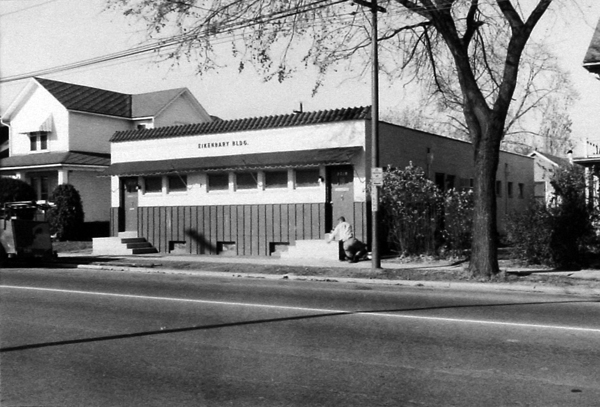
x=43, y=141
x=218, y=181
x=177, y=183
x=246, y=180
x=307, y=177
x=152, y=184
x=38, y=140
x=276, y=179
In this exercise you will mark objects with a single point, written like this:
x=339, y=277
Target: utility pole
x=375, y=245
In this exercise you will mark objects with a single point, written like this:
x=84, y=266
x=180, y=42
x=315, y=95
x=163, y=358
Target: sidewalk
x=426, y=274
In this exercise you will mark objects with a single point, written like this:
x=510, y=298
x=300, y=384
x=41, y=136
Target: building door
x=129, y=186
x=340, y=190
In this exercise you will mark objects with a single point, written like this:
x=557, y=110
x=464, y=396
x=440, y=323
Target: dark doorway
x=340, y=193
x=129, y=203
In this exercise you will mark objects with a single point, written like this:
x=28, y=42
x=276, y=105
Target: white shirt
x=343, y=231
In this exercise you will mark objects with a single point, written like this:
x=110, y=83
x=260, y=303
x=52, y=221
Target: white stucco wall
x=31, y=115
x=344, y=134
x=197, y=195
x=114, y=192
x=90, y=132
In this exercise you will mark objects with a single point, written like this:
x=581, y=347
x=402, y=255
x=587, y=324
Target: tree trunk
x=484, y=249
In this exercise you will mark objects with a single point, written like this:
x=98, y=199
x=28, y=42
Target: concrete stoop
x=311, y=249
x=126, y=243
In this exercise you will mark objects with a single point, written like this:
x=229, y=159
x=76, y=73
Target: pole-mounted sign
x=377, y=176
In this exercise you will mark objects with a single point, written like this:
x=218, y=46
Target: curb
x=461, y=286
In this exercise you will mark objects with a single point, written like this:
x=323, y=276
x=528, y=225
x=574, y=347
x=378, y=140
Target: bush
x=530, y=233
x=557, y=234
x=458, y=221
x=12, y=189
x=411, y=206
x=572, y=220
x=421, y=219
x=66, y=218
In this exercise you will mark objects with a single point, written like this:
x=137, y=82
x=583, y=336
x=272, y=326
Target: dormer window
x=38, y=140
x=43, y=141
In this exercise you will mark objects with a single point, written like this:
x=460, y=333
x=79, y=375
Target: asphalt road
x=98, y=338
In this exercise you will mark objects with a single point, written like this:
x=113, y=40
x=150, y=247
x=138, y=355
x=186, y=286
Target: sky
x=40, y=34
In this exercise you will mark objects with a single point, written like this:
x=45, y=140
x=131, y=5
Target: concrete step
x=311, y=249
x=144, y=250
x=138, y=245
x=111, y=246
x=132, y=239
x=128, y=234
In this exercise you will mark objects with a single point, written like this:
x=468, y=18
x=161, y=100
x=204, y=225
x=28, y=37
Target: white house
x=587, y=152
x=544, y=167
x=59, y=133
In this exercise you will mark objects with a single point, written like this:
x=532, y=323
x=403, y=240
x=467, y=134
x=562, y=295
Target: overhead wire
x=173, y=41
x=26, y=8
x=177, y=39
x=139, y=57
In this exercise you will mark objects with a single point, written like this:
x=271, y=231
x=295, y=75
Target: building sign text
x=217, y=144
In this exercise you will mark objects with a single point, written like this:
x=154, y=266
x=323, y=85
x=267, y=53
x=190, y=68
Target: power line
x=174, y=41
x=27, y=8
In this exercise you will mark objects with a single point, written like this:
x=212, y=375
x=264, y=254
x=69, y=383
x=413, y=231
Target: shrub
x=411, y=210
x=530, y=233
x=557, y=234
x=572, y=220
x=458, y=221
x=12, y=189
x=66, y=218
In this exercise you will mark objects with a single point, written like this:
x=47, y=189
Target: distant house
x=591, y=61
x=587, y=152
x=264, y=185
x=544, y=167
x=59, y=133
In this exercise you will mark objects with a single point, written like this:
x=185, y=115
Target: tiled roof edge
x=246, y=124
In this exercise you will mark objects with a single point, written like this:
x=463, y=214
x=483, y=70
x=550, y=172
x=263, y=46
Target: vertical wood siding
x=114, y=221
x=252, y=227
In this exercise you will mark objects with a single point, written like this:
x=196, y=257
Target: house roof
x=559, y=161
x=150, y=104
x=88, y=99
x=79, y=158
x=591, y=60
x=248, y=124
x=93, y=100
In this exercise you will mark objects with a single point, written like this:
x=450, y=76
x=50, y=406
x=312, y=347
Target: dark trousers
x=341, y=252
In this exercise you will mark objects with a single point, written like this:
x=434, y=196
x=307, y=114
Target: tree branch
x=472, y=23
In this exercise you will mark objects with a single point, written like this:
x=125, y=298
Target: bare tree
x=537, y=120
x=554, y=135
x=539, y=116
x=467, y=51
